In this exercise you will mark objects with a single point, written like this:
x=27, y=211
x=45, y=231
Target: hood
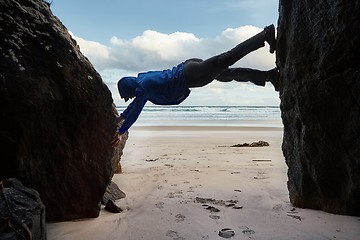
x=127, y=87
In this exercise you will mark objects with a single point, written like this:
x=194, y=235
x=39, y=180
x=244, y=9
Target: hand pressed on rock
x=116, y=139
x=120, y=119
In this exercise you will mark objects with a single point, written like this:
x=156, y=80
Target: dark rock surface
x=112, y=193
x=56, y=119
x=112, y=207
x=318, y=56
x=22, y=214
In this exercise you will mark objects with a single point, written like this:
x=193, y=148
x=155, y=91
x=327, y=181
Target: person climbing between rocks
x=171, y=86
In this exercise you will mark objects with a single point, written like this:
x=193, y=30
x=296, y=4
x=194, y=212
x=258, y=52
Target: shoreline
x=187, y=182
x=204, y=128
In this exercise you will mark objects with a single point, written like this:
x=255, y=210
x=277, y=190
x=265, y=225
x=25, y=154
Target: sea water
x=267, y=116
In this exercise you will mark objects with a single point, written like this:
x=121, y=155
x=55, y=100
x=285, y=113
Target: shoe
x=273, y=77
x=270, y=37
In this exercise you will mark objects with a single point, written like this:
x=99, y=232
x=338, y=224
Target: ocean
x=252, y=116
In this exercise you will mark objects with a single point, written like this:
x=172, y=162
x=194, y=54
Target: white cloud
x=97, y=53
x=166, y=46
x=156, y=51
x=153, y=50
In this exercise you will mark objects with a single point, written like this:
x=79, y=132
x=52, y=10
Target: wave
x=213, y=115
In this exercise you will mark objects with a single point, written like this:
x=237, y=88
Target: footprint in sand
x=278, y=208
x=246, y=230
x=215, y=217
x=226, y=233
x=260, y=175
x=171, y=195
x=174, y=235
x=160, y=205
x=179, y=218
x=211, y=208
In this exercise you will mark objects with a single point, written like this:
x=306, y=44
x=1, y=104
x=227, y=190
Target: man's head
x=127, y=87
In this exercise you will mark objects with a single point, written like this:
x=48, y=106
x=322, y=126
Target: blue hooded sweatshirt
x=165, y=87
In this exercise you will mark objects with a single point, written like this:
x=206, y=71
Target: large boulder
x=318, y=56
x=56, y=118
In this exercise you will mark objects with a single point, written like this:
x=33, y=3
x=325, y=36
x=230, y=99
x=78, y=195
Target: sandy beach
x=189, y=183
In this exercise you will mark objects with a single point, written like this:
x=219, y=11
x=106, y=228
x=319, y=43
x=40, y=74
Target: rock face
x=22, y=214
x=56, y=119
x=112, y=193
x=318, y=56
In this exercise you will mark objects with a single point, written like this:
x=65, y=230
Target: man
x=171, y=86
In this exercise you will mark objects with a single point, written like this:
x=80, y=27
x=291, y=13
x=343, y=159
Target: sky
x=125, y=37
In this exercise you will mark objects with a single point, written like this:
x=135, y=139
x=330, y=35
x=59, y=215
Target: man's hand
x=116, y=140
x=120, y=119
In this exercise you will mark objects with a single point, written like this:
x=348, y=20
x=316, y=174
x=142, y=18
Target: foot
x=273, y=77
x=270, y=37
